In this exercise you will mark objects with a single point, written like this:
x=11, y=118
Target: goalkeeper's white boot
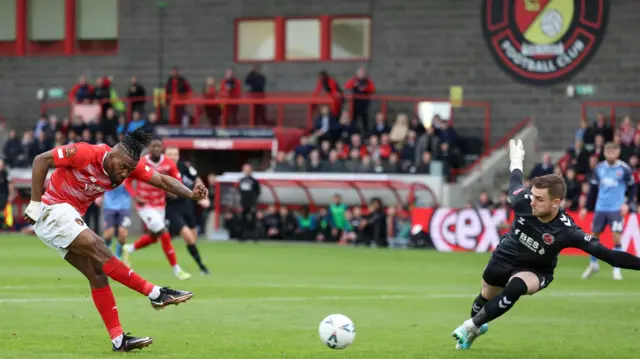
x=617, y=274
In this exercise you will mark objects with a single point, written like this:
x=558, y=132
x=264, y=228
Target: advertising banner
x=479, y=230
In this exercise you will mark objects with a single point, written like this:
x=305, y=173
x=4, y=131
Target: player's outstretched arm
x=592, y=245
x=175, y=186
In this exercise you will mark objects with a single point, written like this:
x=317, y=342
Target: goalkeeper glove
x=516, y=155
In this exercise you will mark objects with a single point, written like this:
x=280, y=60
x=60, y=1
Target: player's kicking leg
x=520, y=284
x=61, y=227
x=154, y=219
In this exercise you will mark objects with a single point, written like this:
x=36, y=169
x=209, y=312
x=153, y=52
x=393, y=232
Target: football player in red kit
x=83, y=172
x=150, y=203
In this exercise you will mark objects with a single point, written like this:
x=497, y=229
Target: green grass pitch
x=266, y=301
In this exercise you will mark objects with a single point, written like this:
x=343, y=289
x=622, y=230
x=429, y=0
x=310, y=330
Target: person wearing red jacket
x=361, y=86
x=230, y=87
x=331, y=87
x=210, y=92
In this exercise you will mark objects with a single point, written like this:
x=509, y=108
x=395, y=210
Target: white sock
x=117, y=341
x=616, y=270
x=176, y=269
x=155, y=292
x=131, y=248
x=469, y=324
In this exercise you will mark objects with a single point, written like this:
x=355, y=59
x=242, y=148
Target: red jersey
x=152, y=196
x=80, y=177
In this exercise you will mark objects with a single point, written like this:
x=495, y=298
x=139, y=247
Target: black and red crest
x=543, y=42
x=548, y=238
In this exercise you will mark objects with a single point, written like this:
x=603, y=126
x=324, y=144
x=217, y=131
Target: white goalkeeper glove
x=516, y=155
x=33, y=211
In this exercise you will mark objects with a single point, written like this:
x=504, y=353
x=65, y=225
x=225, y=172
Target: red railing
x=611, y=107
x=358, y=186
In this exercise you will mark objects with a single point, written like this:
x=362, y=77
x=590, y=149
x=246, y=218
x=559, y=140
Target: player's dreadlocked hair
x=135, y=142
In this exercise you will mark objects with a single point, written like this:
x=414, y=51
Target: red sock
x=167, y=247
x=106, y=305
x=144, y=241
x=119, y=272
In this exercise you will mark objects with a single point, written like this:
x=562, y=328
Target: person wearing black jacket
x=256, y=83
x=249, y=194
x=181, y=211
x=136, y=95
x=374, y=225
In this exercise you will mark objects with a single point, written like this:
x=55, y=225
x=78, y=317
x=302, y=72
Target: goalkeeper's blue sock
x=118, y=250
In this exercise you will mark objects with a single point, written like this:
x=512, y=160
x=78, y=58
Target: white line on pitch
x=360, y=297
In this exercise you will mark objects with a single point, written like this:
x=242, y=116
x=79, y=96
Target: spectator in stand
x=385, y=148
x=102, y=95
x=349, y=235
x=598, y=147
x=543, y=168
x=65, y=126
x=41, y=125
x=484, y=201
x=210, y=92
x=445, y=132
x=230, y=88
x=625, y=150
x=7, y=192
x=636, y=145
x=52, y=127
x=380, y=125
x=109, y=126
x=373, y=147
x=12, y=149
x=73, y=137
x=330, y=86
x=29, y=149
x=300, y=164
x=353, y=163
x=99, y=138
x=59, y=140
x=361, y=87
x=580, y=132
x=324, y=226
x=600, y=127
x=408, y=153
x=417, y=126
x=136, y=122
x=356, y=143
x=136, y=95
x=347, y=128
x=341, y=150
x=326, y=127
x=626, y=131
x=152, y=122
x=282, y=165
x=366, y=166
x=315, y=165
x=579, y=157
x=42, y=143
x=593, y=162
x=78, y=125
x=325, y=148
x=428, y=142
x=378, y=165
x=82, y=92
x=392, y=166
x=86, y=136
x=333, y=164
x=573, y=189
x=256, y=84
x=177, y=86
x=304, y=148
x=400, y=129
x=424, y=166
x=307, y=225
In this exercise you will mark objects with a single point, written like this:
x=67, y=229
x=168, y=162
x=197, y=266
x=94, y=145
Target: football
x=337, y=331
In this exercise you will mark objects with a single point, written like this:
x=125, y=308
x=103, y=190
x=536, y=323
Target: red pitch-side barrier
x=479, y=230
